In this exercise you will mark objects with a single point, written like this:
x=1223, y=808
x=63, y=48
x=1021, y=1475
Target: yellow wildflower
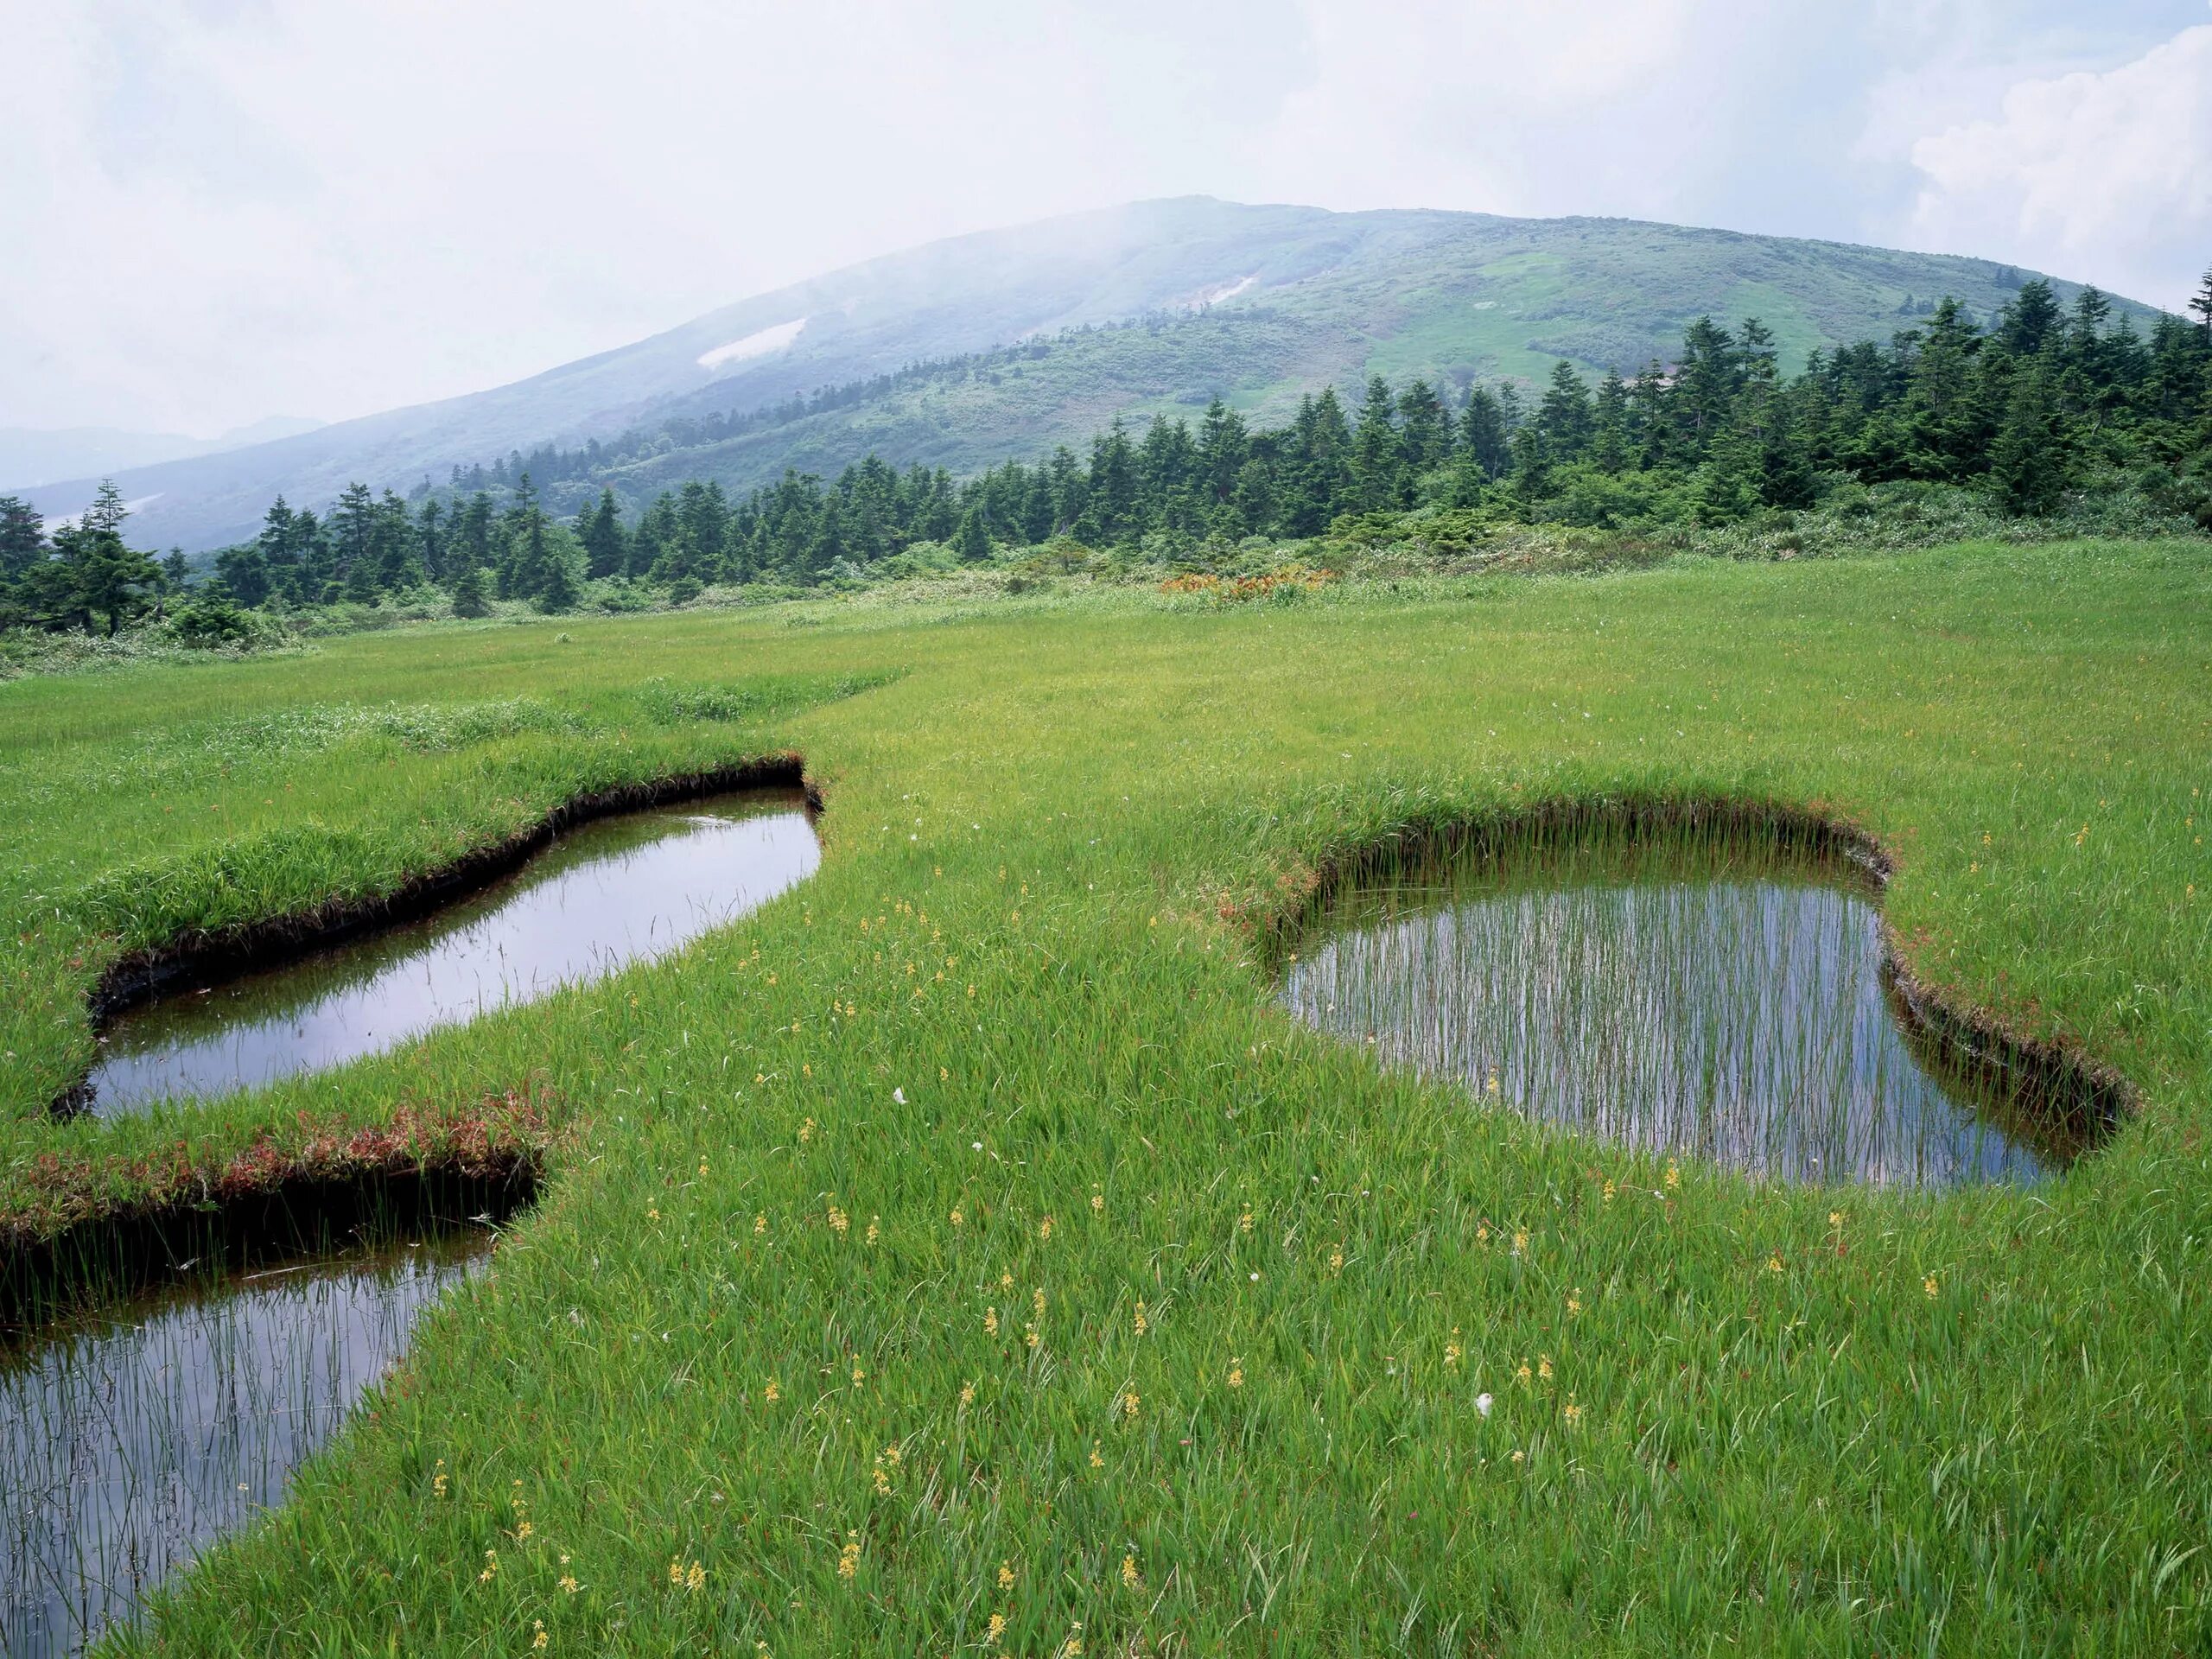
x=849, y=1557
x=990, y=1321
x=995, y=1630
x=1673, y=1175
x=1544, y=1367
x=806, y=1130
x=1131, y=1578
x=1006, y=1576
x=1097, y=1458
x=1452, y=1352
x=538, y=1641
x=1928, y=1284
x=967, y=1393
x=1235, y=1373
x=772, y=1392
x=760, y=1222
x=1143, y=1324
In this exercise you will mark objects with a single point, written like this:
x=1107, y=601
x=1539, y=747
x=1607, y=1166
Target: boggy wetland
x=1262, y=1131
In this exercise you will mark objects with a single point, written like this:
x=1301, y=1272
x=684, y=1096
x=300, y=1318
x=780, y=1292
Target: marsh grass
x=748, y=1381
x=131, y=1437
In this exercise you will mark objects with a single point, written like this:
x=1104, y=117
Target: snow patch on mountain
x=763, y=342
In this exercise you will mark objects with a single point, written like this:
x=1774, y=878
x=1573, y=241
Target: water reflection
x=1679, y=1003
x=606, y=894
x=130, y=1437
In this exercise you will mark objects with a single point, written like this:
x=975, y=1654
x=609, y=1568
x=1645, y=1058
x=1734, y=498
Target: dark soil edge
x=2058, y=1069
x=108, y=1259
x=140, y=976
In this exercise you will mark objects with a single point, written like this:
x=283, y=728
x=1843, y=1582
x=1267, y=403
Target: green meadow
x=965, y=1254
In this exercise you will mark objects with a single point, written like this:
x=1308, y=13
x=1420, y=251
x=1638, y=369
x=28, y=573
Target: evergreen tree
x=2029, y=464
x=1378, y=461
x=556, y=590
x=22, y=537
x=1484, y=432
x=605, y=547
x=2200, y=302
x=972, y=542
x=103, y=575
x=468, y=598
x=1563, y=417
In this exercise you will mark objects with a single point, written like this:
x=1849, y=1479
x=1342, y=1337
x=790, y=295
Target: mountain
x=1255, y=303
x=31, y=455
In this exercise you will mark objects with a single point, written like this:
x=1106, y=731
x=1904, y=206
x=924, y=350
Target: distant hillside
x=1256, y=303
x=31, y=455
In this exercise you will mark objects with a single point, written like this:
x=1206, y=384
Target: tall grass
x=869, y=1310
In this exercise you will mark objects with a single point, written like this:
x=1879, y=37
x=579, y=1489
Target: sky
x=219, y=211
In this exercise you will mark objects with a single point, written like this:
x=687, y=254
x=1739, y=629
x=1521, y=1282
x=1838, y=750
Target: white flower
x=1483, y=1404
x=899, y=1094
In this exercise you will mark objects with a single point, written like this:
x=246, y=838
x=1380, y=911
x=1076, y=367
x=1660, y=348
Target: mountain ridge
x=1453, y=295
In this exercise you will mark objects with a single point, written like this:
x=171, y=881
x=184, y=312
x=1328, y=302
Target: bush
x=218, y=623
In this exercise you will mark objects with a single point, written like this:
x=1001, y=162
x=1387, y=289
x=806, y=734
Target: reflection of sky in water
x=610, y=894
x=129, y=1440
x=1741, y=1020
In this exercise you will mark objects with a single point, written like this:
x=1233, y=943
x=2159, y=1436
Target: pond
x=1726, y=998
x=132, y=1436
x=596, y=899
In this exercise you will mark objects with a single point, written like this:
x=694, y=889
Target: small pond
x=598, y=898
x=132, y=1436
x=1727, y=1000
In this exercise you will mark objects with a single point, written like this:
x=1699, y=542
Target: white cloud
x=218, y=210
x=2105, y=175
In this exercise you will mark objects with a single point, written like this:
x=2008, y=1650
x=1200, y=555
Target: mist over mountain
x=34, y=455
x=1257, y=304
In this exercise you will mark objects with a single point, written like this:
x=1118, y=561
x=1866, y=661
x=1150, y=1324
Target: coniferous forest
x=2044, y=410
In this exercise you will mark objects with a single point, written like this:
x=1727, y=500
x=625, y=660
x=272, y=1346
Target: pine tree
x=468, y=598
x=2200, y=302
x=1563, y=417
x=1378, y=458
x=1484, y=434
x=104, y=576
x=604, y=544
x=22, y=537
x=556, y=590
x=2028, y=462
x=972, y=541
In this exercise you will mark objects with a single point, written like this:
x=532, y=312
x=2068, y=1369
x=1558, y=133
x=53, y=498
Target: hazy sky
x=218, y=210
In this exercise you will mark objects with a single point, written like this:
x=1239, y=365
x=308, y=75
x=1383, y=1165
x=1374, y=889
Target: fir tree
x=468, y=598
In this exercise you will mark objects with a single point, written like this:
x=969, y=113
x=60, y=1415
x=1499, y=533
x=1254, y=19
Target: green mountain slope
x=1453, y=298
x=1258, y=303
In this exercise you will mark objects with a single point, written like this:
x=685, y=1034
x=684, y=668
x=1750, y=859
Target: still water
x=1693, y=1003
x=131, y=1437
x=599, y=898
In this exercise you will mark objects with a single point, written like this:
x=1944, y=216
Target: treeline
x=2044, y=401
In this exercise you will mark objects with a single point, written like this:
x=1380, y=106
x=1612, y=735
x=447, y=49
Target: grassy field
x=964, y=1253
